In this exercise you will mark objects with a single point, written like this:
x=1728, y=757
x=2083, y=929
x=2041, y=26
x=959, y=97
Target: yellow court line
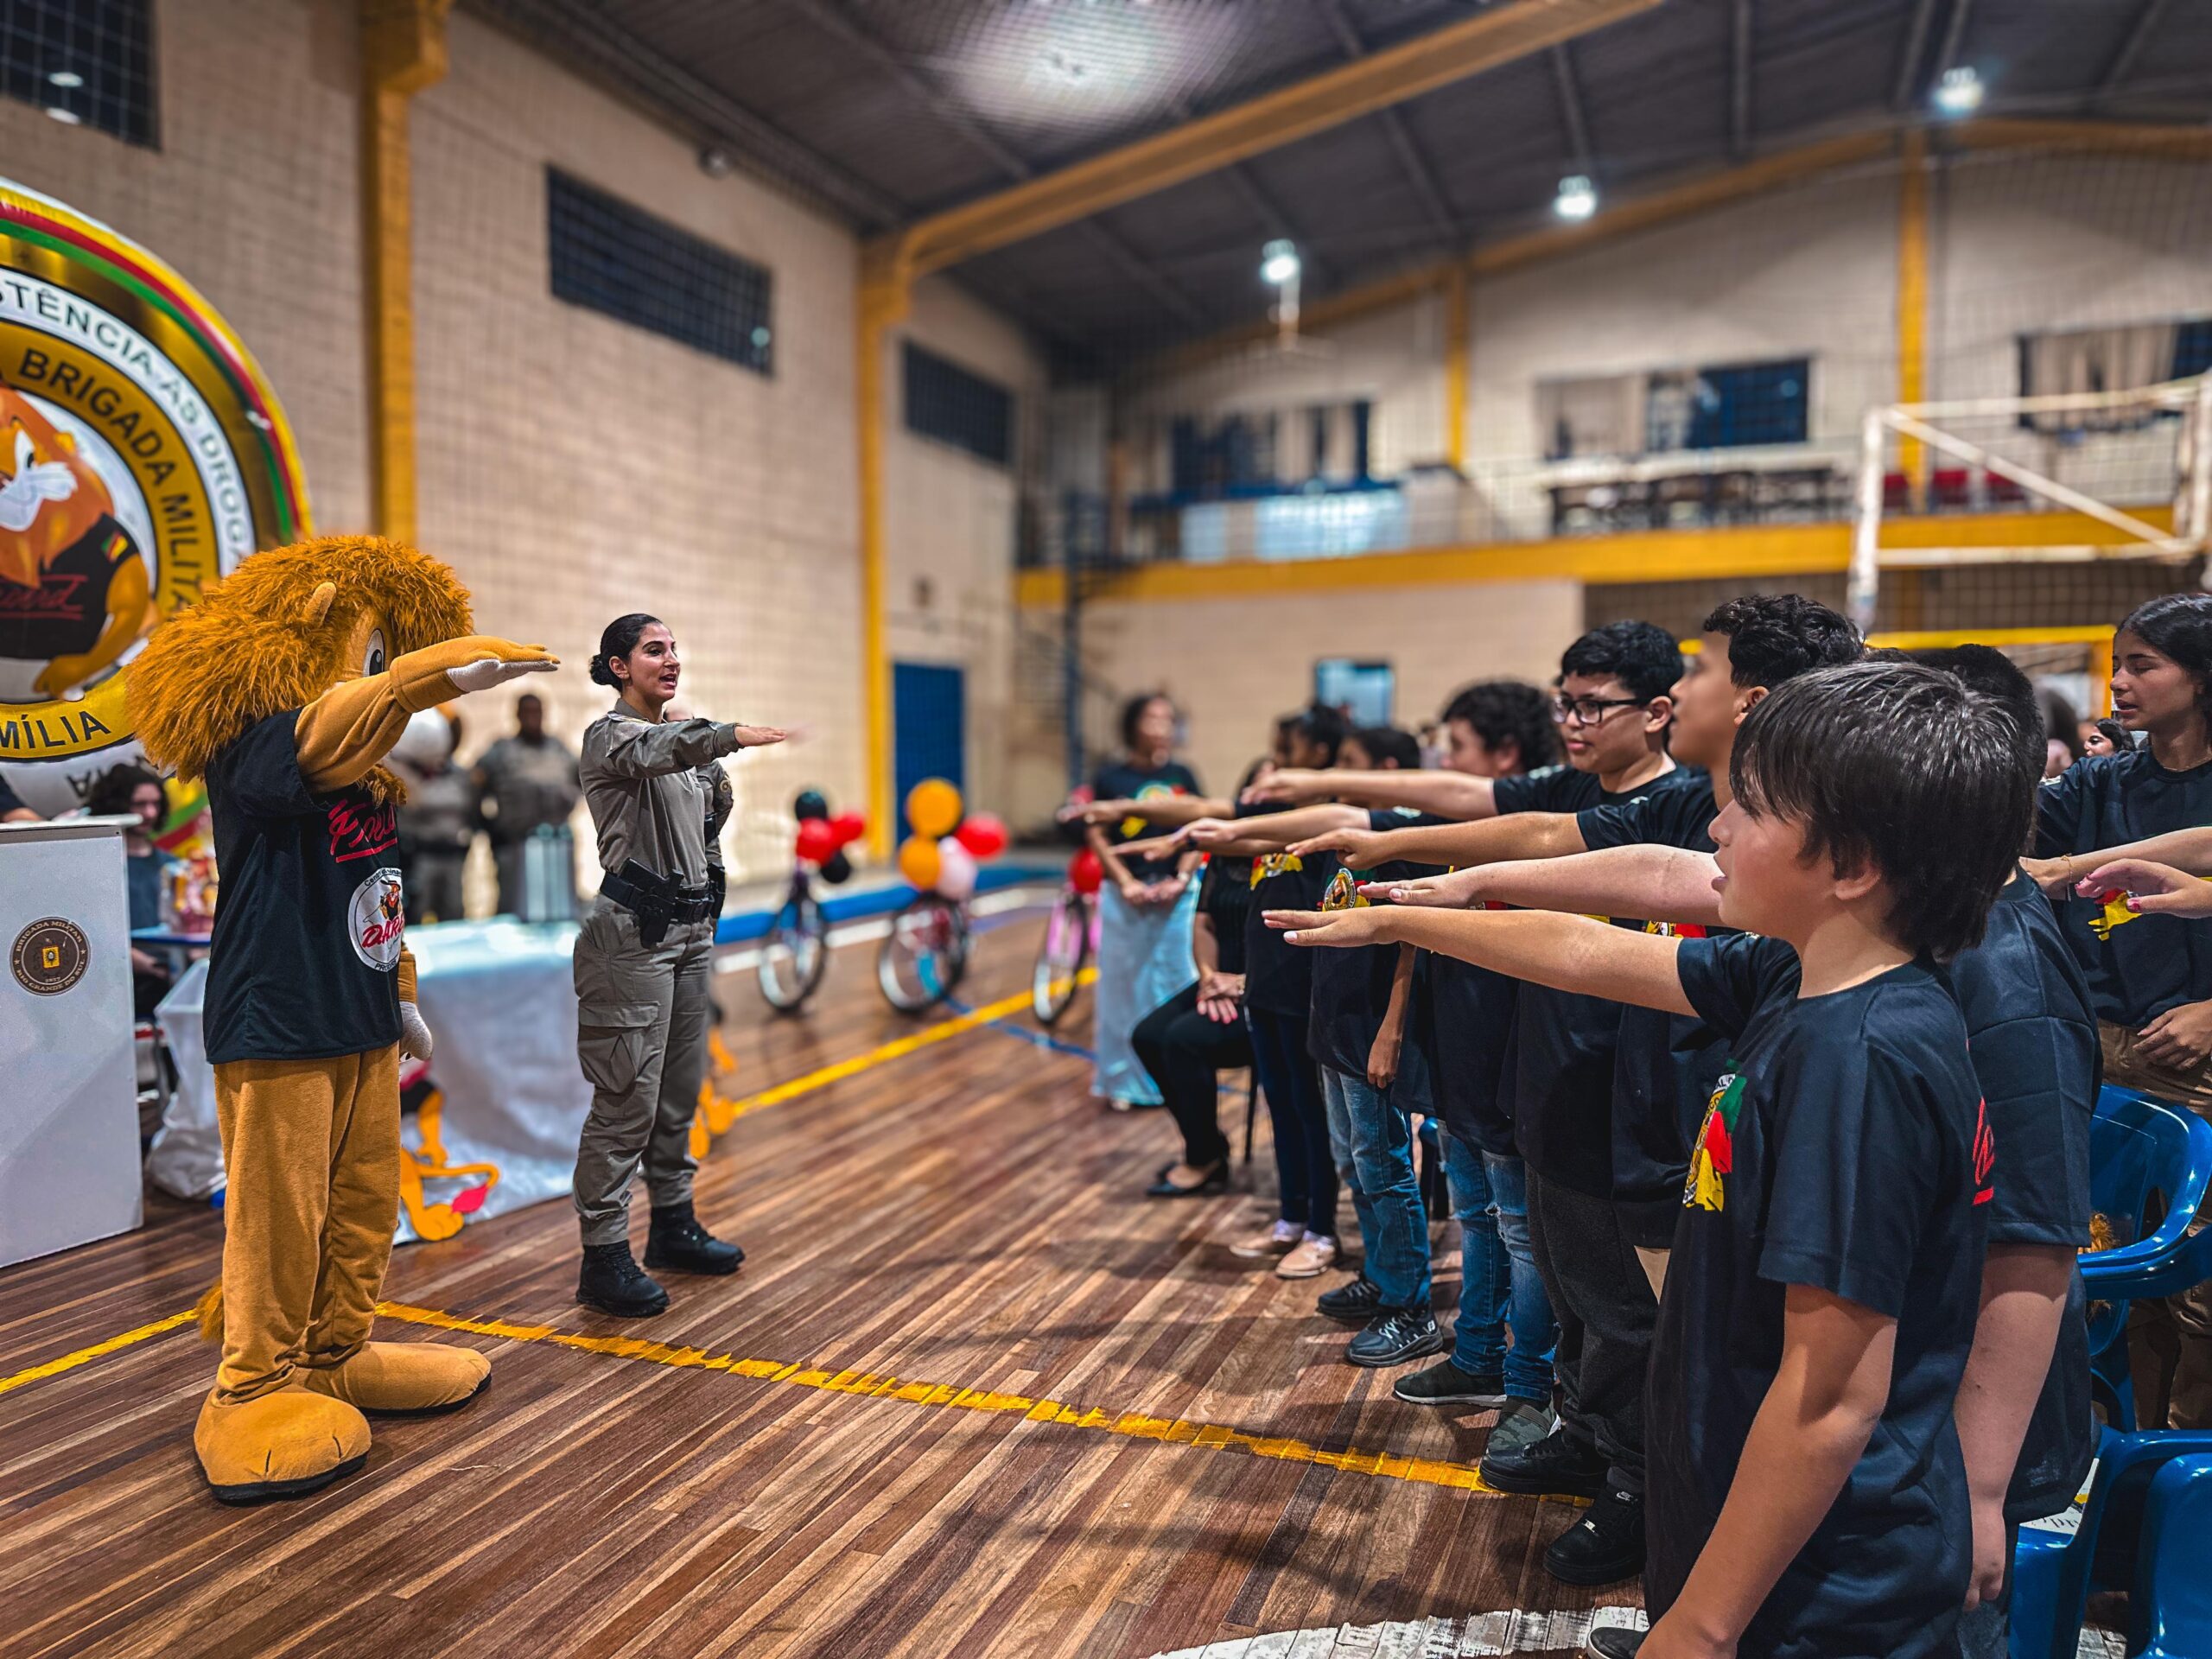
x=85, y=1356
x=1211, y=1437
x=821, y=1077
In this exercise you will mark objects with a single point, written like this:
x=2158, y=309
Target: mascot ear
x=318, y=604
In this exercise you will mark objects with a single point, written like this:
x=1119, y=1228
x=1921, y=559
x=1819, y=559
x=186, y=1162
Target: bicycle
x=795, y=951
x=925, y=956
x=1071, y=936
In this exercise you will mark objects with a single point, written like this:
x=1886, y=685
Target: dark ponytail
x=2179, y=626
x=620, y=639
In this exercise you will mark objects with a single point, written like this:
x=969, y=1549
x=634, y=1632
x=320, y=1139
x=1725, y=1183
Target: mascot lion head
x=279, y=630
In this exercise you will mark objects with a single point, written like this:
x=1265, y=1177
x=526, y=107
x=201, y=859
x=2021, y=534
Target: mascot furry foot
x=282, y=1445
x=402, y=1379
x=284, y=687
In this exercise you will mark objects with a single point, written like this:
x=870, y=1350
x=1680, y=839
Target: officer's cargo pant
x=642, y=1016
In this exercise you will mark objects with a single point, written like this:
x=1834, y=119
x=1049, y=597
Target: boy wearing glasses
x=1612, y=710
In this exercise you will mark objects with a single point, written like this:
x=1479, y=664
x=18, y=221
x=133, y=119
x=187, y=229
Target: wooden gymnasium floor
x=970, y=1395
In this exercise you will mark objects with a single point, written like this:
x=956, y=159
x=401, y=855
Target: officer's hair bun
x=600, y=673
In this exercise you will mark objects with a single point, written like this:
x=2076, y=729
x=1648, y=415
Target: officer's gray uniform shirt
x=650, y=788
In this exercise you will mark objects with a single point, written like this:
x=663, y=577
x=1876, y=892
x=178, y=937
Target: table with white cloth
x=501, y=1007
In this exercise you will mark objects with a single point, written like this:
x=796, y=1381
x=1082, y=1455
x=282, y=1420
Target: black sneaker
x=1559, y=1465
x=1445, y=1384
x=1395, y=1335
x=678, y=1244
x=1606, y=1546
x=1612, y=1642
x=1354, y=1304
x=612, y=1282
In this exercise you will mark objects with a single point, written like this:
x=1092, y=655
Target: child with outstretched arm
x=1826, y=1272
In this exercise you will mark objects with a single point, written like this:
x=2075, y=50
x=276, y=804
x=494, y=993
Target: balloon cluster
x=823, y=839
x=940, y=856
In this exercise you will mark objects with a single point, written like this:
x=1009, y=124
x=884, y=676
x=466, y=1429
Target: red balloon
x=981, y=835
x=848, y=827
x=817, y=841
x=1086, y=871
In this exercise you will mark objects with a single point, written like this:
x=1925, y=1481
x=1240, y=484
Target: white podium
x=69, y=1114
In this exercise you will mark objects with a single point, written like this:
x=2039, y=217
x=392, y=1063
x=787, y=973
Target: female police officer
x=659, y=800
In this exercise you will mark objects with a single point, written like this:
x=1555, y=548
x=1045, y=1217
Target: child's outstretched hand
x=1457, y=891
x=1296, y=784
x=2151, y=889
x=1363, y=925
x=1357, y=847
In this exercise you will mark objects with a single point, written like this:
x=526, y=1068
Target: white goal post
x=1977, y=433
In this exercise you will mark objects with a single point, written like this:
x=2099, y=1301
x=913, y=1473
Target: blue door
x=929, y=724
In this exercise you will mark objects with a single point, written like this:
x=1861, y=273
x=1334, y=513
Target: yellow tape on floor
x=820, y=1078
x=1211, y=1437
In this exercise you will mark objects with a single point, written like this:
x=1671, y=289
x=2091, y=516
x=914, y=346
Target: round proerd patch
x=50, y=956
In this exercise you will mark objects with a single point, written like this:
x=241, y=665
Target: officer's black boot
x=612, y=1283
x=678, y=1243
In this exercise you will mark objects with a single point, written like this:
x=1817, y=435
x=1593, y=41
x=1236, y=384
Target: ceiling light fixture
x=1279, y=263
x=1959, y=93
x=67, y=118
x=68, y=80
x=1577, y=198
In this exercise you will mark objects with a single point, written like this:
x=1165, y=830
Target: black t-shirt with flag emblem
x=1566, y=1043
x=307, y=929
x=1664, y=1071
x=1846, y=1148
x=1352, y=988
x=2138, y=966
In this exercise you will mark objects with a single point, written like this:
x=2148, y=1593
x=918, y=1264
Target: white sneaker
x=1313, y=1257
x=1279, y=1240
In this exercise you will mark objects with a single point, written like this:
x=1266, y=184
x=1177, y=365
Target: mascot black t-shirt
x=307, y=928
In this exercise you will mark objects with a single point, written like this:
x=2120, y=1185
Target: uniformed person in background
x=658, y=798
x=525, y=782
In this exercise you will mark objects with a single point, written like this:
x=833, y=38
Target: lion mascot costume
x=283, y=689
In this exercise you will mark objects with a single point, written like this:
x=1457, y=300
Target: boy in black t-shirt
x=1824, y=1289
x=1614, y=712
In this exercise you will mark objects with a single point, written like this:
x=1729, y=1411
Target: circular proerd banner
x=142, y=455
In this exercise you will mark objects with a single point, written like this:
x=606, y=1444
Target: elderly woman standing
x=1146, y=905
x=658, y=799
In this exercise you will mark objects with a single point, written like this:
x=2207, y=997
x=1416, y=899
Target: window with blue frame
x=1732, y=406
x=87, y=63
x=2193, y=348
x=949, y=403
x=1364, y=690
x=622, y=262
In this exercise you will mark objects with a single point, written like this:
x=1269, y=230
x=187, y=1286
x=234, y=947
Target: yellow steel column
x=402, y=51
x=883, y=304
x=1912, y=302
x=1456, y=326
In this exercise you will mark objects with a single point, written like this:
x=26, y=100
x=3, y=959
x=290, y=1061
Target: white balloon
x=956, y=877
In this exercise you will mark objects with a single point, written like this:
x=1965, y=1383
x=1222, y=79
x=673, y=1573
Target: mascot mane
x=264, y=639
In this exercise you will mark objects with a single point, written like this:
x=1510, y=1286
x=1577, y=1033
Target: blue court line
x=740, y=925
x=1038, y=1039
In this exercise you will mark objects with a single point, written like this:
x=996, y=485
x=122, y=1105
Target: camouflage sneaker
x=1522, y=1423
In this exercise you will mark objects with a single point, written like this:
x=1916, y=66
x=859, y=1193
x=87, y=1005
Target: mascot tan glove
x=352, y=726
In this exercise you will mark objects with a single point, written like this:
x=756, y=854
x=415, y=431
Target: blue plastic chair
x=2145, y=1157
x=2143, y=1154
x=2170, y=1614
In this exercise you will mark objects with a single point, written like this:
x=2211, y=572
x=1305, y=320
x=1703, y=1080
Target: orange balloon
x=933, y=807
x=920, y=863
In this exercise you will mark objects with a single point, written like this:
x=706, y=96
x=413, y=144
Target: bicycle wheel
x=1060, y=958
x=925, y=953
x=794, y=955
